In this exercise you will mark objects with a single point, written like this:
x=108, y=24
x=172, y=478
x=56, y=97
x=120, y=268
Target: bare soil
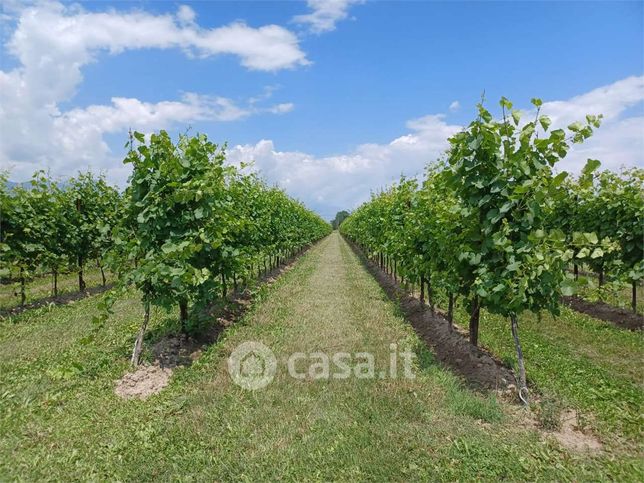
x=479, y=368
x=144, y=382
x=569, y=435
x=602, y=311
x=180, y=350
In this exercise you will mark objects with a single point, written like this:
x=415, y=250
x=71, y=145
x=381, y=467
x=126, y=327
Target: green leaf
x=516, y=115
x=597, y=252
x=504, y=102
x=536, y=102
x=513, y=267
x=506, y=207
x=559, y=178
x=568, y=288
x=591, y=165
x=545, y=122
x=168, y=248
x=481, y=292
x=591, y=238
x=576, y=126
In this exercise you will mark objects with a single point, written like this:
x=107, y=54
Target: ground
x=61, y=419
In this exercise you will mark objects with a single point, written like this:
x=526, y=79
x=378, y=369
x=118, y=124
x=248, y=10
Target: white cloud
x=610, y=100
x=343, y=181
x=53, y=42
x=186, y=15
x=325, y=14
x=332, y=183
x=454, y=106
x=126, y=112
x=282, y=108
x=75, y=139
x=53, y=33
x=619, y=142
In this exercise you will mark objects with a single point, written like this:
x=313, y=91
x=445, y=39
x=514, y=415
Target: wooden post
x=138, y=344
x=523, y=388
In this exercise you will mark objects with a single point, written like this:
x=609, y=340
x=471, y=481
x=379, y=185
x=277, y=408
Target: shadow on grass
x=62, y=299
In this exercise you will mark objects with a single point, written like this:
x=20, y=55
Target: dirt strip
x=478, y=367
x=180, y=350
x=602, y=311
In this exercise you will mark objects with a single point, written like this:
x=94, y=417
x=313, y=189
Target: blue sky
x=331, y=99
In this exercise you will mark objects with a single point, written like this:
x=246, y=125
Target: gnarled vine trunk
x=100, y=266
x=422, y=290
x=450, y=310
x=430, y=292
x=23, y=295
x=81, y=281
x=183, y=315
x=474, y=321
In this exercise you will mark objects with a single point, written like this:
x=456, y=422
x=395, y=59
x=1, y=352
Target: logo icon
x=252, y=365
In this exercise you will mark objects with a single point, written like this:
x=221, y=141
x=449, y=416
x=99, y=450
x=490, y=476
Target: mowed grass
x=585, y=363
x=41, y=287
x=60, y=419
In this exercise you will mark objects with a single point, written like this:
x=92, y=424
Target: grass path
x=59, y=417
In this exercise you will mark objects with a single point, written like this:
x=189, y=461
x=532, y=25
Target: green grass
x=588, y=364
x=615, y=293
x=41, y=287
x=60, y=419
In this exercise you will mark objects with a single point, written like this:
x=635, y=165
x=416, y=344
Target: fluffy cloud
x=325, y=14
x=619, y=142
x=53, y=42
x=51, y=33
x=330, y=184
x=610, y=100
x=75, y=139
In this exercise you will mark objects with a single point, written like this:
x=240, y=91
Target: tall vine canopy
x=193, y=226
x=497, y=225
x=187, y=230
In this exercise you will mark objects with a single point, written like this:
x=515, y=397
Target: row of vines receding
x=495, y=225
x=187, y=230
